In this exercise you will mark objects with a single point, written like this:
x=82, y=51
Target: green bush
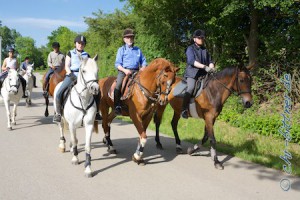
x=265, y=122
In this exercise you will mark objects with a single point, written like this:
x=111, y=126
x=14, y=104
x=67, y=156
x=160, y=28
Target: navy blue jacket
x=195, y=53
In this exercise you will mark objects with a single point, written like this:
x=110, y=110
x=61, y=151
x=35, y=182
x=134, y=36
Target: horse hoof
x=112, y=151
x=104, y=140
x=9, y=128
x=76, y=162
x=159, y=146
x=62, y=150
x=219, y=166
x=46, y=114
x=179, y=150
x=140, y=162
x=193, y=152
x=88, y=175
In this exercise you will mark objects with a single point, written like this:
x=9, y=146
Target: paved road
x=31, y=167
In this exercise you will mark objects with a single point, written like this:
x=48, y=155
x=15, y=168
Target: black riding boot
x=117, y=102
x=1, y=81
x=185, y=105
x=23, y=82
x=34, y=81
x=97, y=100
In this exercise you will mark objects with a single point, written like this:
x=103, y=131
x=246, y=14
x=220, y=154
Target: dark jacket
x=195, y=53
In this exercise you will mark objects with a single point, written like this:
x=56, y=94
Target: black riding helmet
x=199, y=33
x=11, y=49
x=80, y=39
x=128, y=33
x=55, y=45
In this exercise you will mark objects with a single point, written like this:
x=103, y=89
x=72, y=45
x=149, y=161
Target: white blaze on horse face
x=13, y=81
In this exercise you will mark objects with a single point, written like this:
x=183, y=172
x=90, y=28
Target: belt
x=75, y=70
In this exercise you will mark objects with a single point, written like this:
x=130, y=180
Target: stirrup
x=118, y=110
x=57, y=118
x=185, y=114
x=98, y=117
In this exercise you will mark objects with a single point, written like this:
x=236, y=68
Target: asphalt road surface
x=31, y=167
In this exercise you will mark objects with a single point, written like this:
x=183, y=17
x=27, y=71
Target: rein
x=236, y=80
x=84, y=110
x=148, y=94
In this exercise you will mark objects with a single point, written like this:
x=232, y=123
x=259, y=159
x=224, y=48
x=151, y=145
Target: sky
x=38, y=18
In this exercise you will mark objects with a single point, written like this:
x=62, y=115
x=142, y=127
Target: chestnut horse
x=58, y=76
x=208, y=106
x=149, y=88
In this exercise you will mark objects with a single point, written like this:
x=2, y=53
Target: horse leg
x=7, y=107
x=47, y=103
x=157, y=120
x=74, y=141
x=62, y=140
x=106, y=121
x=195, y=150
x=174, y=123
x=14, y=114
x=213, y=153
x=88, y=137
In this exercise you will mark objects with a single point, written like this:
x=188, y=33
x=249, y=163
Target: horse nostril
x=248, y=104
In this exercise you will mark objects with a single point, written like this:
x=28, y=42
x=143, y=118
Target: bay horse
x=58, y=76
x=149, y=88
x=80, y=108
x=11, y=91
x=208, y=105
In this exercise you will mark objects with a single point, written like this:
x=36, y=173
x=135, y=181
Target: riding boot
x=117, y=102
x=34, y=81
x=57, y=115
x=1, y=81
x=185, y=105
x=23, y=82
x=97, y=100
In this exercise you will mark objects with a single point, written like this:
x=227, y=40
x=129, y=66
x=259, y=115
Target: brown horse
x=58, y=76
x=208, y=106
x=148, y=88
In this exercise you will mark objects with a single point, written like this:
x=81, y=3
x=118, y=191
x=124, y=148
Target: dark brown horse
x=149, y=88
x=208, y=105
x=58, y=76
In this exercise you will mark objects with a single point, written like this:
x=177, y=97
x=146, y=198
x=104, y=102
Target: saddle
x=125, y=89
x=181, y=87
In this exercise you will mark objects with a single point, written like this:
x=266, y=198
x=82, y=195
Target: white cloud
x=45, y=23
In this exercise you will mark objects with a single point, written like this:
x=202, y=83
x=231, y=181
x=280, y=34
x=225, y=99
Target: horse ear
x=96, y=57
x=177, y=69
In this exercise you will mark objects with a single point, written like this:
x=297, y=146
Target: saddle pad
x=181, y=87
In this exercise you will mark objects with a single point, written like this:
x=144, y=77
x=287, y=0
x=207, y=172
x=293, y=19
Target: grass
x=237, y=142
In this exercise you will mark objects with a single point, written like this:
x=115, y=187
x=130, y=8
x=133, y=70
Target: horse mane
x=223, y=73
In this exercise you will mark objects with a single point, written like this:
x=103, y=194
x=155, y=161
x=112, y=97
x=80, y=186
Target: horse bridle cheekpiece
x=17, y=83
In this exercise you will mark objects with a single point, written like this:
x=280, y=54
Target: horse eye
x=83, y=71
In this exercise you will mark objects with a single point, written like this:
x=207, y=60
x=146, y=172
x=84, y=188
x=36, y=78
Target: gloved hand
x=208, y=69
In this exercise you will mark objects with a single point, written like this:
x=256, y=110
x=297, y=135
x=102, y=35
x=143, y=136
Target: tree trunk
x=253, y=37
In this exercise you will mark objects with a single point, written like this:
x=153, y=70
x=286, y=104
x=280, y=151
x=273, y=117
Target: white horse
x=80, y=107
x=11, y=91
x=28, y=76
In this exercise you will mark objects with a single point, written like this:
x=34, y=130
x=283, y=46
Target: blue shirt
x=130, y=57
x=75, y=60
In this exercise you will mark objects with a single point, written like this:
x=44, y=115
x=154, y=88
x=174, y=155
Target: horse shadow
x=126, y=148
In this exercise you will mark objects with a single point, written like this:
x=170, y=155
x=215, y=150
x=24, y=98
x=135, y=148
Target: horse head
x=88, y=75
x=165, y=78
x=243, y=85
x=29, y=70
x=13, y=81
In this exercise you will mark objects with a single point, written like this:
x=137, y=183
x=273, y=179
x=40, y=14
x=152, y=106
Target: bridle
x=84, y=110
x=236, y=80
x=16, y=86
x=150, y=95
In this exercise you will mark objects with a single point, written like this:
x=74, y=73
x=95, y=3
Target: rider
x=11, y=63
x=72, y=66
x=198, y=64
x=128, y=60
x=56, y=60
x=23, y=67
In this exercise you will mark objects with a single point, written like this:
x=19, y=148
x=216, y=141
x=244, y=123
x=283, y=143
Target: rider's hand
x=127, y=72
x=142, y=68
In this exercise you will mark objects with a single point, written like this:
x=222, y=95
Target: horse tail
x=96, y=130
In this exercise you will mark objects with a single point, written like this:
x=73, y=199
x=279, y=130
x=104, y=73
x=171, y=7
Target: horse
x=147, y=89
x=11, y=91
x=79, y=108
x=28, y=76
x=58, y=76
x=208, y=105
